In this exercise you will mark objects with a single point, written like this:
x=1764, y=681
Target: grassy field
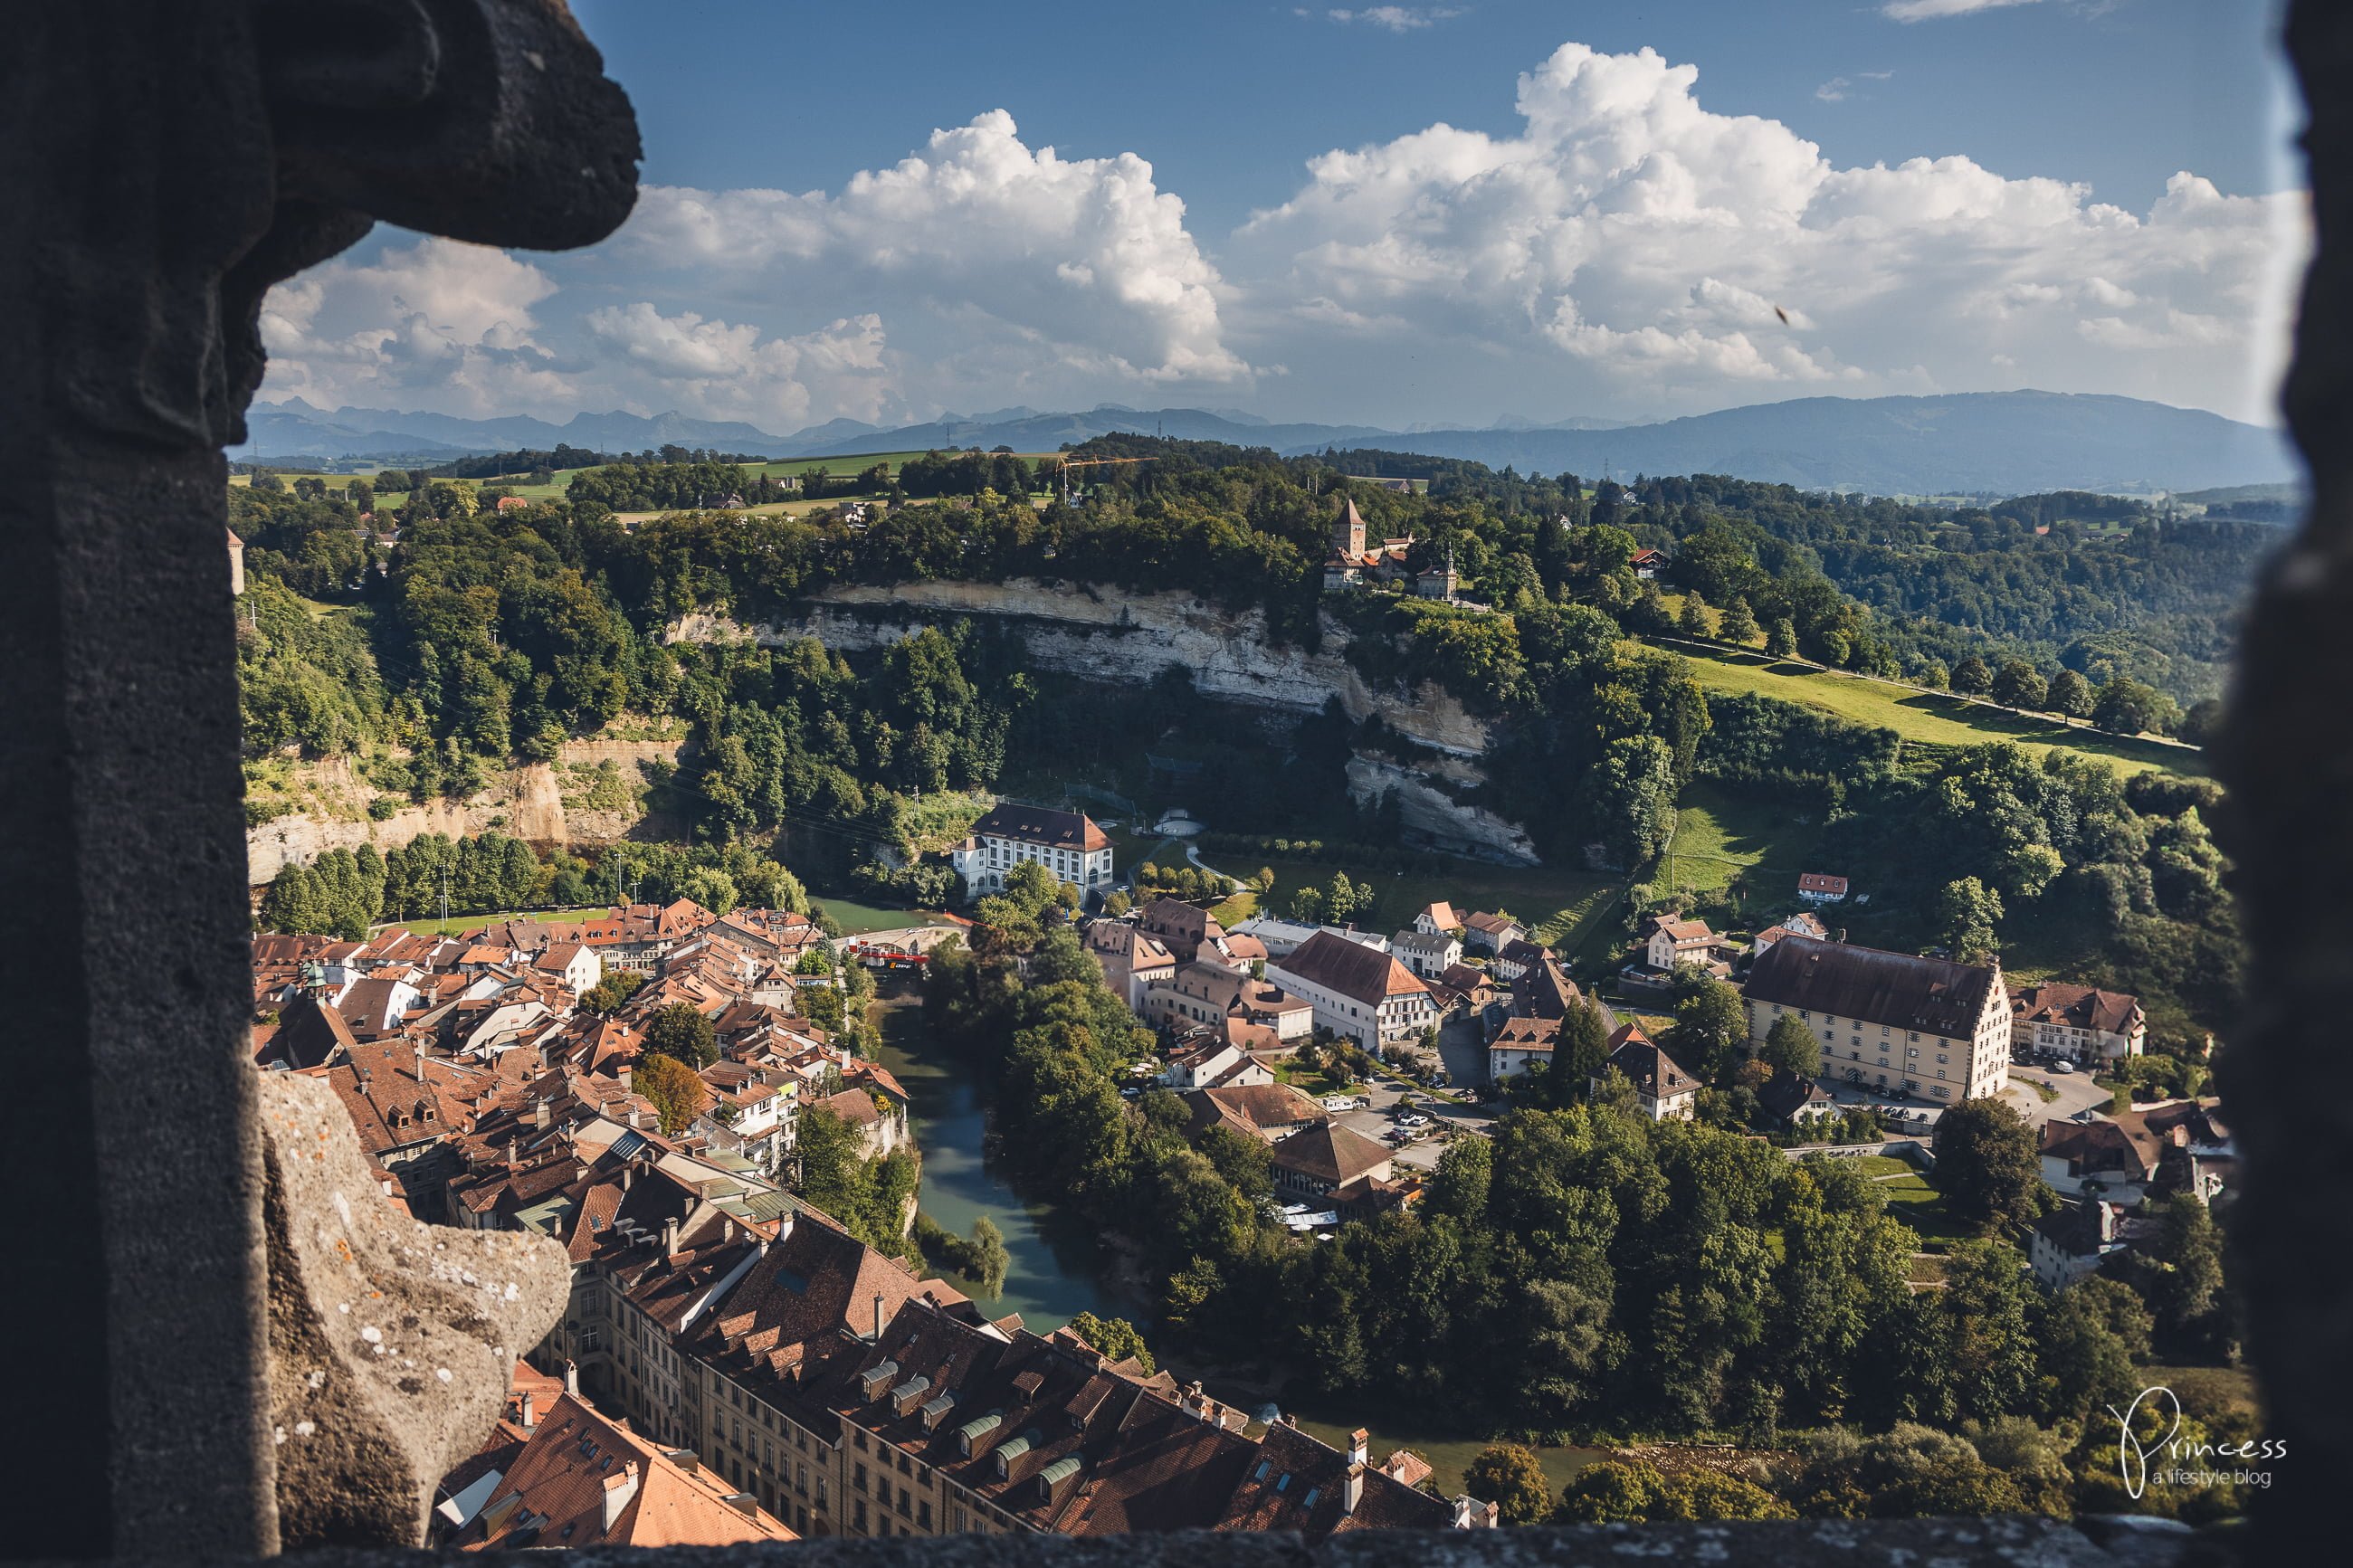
x=1911, y=1199
x=1719, y=837
x=1562, y=906
x=1934, y=717
x=858, y=918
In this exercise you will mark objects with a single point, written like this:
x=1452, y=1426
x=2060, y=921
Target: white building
x=1427, y=953
x=1358, y=992
x=1281, y=937
x=2080, y=1023
x=1888, y=1020
x=1068, y=844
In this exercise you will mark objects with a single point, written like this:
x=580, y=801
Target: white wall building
x=1068, y=844
x=1358, y=992
x=1888, y=1020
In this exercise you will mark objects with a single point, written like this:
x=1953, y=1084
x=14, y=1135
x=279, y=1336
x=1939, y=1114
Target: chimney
x=572, y=1377
x=633, y=1118
x=878, y=1317
x=1470, y=1513
x=1360, y=1446
x=514, y=1146
x=670, y=1236
x=1352, y=1491
x=625, y=1072
x=627, y=1171
x=618, y=1492
x=420, y=1061
x=530, y=1416
x=1290, y=1421
x=743, y=1503
x=539, y=1113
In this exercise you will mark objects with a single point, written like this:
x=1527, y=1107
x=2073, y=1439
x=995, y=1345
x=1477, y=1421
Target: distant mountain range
x=1964, y=443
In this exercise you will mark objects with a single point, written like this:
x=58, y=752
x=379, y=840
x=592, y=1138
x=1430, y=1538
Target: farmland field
x=1932, y=717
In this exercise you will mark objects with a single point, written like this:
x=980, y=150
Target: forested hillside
x=487, y=634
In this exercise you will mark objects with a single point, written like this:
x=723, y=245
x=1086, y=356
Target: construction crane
x=1089, y=463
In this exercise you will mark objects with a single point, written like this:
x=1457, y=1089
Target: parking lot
x=2076, y=1093
x=1378, y=1121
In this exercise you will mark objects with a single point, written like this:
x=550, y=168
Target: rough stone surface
x=163, y=163
x=391, y=1343
x=2287, y=758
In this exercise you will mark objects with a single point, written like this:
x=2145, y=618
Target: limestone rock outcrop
x=391, y=1343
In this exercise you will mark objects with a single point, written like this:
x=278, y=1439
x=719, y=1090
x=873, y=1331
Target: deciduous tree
x=1987, y=1165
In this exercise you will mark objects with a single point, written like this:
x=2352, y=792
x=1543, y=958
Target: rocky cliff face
x=1429, y=811
x=1100, y=634
x=527, y=802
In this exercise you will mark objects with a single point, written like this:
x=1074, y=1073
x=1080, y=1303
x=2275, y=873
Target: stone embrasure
x=391, y=1343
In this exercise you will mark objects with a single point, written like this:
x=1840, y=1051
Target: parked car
x=2062, y=1066
x=1413, y=1118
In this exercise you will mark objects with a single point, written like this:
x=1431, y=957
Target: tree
x=677, y=1030
x=675, y=1093
x=1693, y=620
x=607, y=994
x=1792, y=1048
x=986, y=1258
x=1739, y=623
x=1971, y=677
x=1583, y=1045
x=1459, y=1186
x=2070, y=695
x=2018, y=684
x=2181, y=1274
x=2126, y=707
x=1711, y=1494
x=1612, y=1492
x=1114, y=1337
x=1781, y=640
x=1987, y=1165
x=2092, y=1332
x=1710, y=1024
x=1966, y=912
x=2201, y=723
x=1512, y=1477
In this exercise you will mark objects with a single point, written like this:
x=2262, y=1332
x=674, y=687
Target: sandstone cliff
x=1101, y=634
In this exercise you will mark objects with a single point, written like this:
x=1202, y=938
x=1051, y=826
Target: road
x=2076, y=1092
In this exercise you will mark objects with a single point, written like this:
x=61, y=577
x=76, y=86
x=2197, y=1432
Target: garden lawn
x=1911, y=1199
x=1934, y=718
x=1720, y=836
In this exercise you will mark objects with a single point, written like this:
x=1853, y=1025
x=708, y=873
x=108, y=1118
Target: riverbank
x=1058, y=1266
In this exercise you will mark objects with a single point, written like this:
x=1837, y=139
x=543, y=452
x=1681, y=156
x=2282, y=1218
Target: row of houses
x=834, y=1391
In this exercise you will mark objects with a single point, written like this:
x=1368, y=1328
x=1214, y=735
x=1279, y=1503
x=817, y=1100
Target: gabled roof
x=1817, y=882
x=1040, y=825
x=1442, y=915
x=1331, y=1152
x=556, y=1494
x=1491, y=925
x=1655, y=1073
x=1351, y=969
x=1932, y=995
x=1526, y=1035
x=2076, y=1007
x=1253, y=1108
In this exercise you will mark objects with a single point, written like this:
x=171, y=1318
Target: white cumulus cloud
x=1630, y=244
x=1928, y=10
x=1394, y=19
x=1081, y=263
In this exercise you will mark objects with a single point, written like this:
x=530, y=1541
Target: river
x=1058, y=1265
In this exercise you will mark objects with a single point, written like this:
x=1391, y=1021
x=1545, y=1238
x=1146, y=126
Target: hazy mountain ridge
x=1961, y=443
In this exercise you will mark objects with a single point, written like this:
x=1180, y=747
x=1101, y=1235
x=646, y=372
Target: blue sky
x=1395, y=213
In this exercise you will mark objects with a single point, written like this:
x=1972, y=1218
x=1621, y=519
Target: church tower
x=1349, y=533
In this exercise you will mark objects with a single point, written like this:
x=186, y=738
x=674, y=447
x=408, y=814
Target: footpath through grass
x=1934, y=718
